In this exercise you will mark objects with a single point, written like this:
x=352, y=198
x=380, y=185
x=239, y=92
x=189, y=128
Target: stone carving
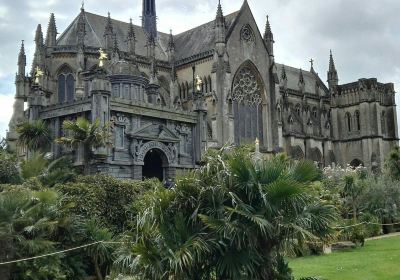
x=139, y=150
x=247, y=88
x=247, y=34
x=120, y=119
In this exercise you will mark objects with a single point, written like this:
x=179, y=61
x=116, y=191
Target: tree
x=30, y=224
x=83, y=133
x=231, y=219
x=49, y=172
x=36, y=136
x=392, y=165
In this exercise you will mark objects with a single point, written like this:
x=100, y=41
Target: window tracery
x=247, y=34
x=247, y=88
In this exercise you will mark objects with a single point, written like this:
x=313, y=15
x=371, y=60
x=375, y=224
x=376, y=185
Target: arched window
x=383, y=122
x=66, y=85
x=247, y=96
x=180, y=91
x=348, y=120
x=315, y=112
x=298, y=109
x=357, y=117
x=209, y=84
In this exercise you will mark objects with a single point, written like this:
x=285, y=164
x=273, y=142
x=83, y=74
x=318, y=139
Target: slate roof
x=200, y=39
x=188, y=43
x=293, y=75
x=95, y=26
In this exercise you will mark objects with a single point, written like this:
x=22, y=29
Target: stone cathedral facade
x=162, y=119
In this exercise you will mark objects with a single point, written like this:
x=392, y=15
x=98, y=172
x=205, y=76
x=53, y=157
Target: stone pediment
x=157, y=132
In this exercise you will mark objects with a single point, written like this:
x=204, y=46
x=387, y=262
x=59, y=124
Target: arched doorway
x=356, y=163
x=153, y=165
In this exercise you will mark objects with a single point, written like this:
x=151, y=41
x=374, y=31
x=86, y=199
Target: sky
x=364, y=35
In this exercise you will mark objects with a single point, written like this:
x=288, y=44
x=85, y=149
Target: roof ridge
x=120, y=21
x=206, y=23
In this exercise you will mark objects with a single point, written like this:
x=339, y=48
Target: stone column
x=200, y=132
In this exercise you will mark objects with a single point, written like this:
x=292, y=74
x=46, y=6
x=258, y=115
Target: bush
x=9, y=173
x=105, y=198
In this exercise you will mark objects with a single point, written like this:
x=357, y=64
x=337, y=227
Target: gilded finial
x=199, y=83
x=103, y=57
x=38, y=74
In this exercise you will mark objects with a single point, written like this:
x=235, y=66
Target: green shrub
x=9, y=173
x=105, y=198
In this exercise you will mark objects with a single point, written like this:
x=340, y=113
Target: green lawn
x=378, y=260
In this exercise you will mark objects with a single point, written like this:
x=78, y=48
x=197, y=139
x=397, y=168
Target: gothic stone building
x=162, y=120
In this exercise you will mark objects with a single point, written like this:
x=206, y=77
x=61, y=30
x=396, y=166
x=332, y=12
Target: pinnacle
x=268, y=31
x=39, y=35
x=109, y=28
x=332, y=67
x=220, y=14
x=171, y=43
x=131, y=32
x=301, y=77
x=22, y=50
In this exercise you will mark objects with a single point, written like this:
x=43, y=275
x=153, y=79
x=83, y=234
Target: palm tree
x=36, y=136
x=29, y=223
x=232, y=219
x=48, y=171
x=83, y=133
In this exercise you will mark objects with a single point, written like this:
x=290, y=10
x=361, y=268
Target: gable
x=155, y=132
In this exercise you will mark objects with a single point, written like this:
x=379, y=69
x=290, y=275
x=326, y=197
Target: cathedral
x=167, y=98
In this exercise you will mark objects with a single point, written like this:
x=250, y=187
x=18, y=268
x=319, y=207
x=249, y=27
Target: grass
x=378, y=260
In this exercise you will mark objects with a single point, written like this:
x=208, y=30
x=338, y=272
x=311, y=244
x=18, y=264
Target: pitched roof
x=95, y=26
x=199, y=39
x=293, y=75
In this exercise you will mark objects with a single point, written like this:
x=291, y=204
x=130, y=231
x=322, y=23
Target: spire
x=22, y=60
x=301, y=83
x=332, y=67
x=149, y=17
x=81, y=28
x=39, y=36
x=269, y=38
x=51, y=36
x=333, y=78
x=131, y=32
x=220, y=27
x=268, y=35
x=38, y=58
x=109, y=27
x=131, y=39
x=171, y=43
x=301, y=77
x=115, y=44
x=283, y=75
x=108, y=33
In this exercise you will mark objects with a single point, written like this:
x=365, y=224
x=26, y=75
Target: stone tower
x=149, y=17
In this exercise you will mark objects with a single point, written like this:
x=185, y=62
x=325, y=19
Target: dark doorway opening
x=153, y=166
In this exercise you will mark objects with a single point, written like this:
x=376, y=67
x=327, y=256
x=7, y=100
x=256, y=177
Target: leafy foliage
x=9, y=173
x=34, y=135
x=105, y=198
x=232, y=219
x=83, y=133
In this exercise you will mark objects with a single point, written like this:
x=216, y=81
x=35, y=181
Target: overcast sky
x=363, y=34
